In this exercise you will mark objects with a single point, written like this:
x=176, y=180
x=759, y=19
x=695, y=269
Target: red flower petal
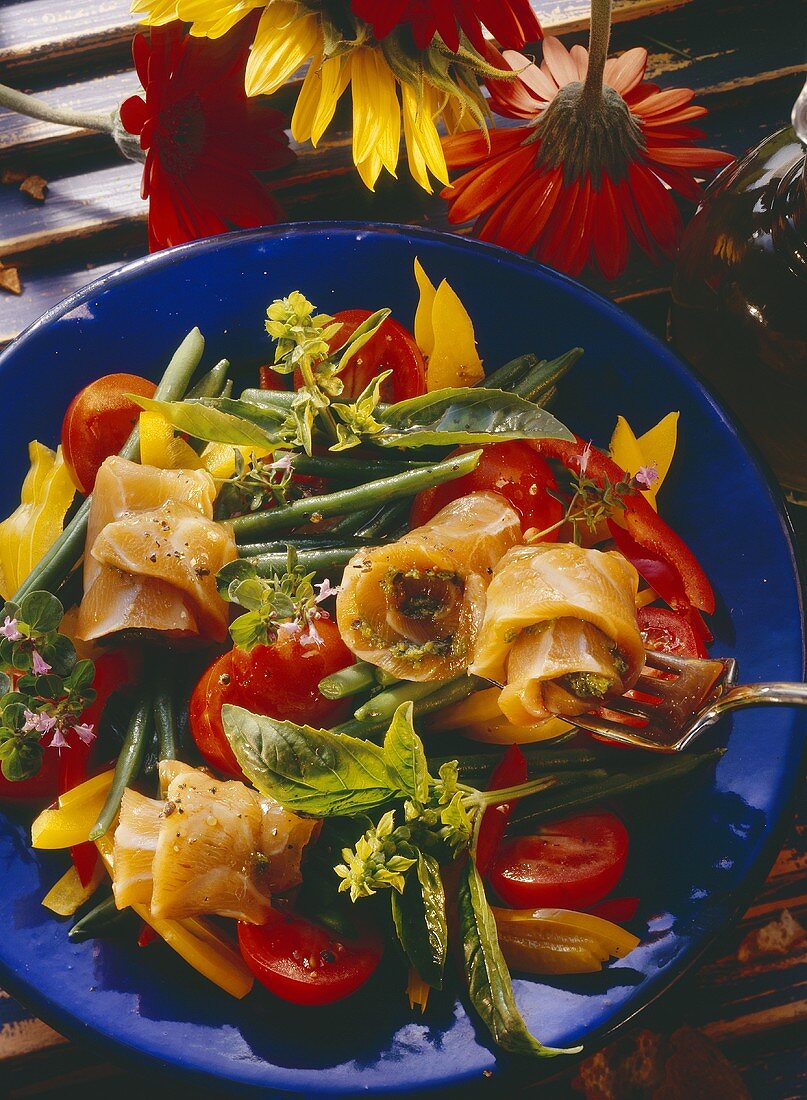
x=133, y=114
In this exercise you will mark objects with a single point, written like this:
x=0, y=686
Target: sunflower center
x=183, y=130
x=588, y=138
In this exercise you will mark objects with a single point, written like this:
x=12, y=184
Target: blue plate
x=706, y=846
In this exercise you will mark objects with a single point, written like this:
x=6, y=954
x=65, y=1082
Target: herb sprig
x=44, y=689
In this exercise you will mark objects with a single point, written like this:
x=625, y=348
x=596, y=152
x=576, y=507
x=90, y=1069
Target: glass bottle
x=739, y=296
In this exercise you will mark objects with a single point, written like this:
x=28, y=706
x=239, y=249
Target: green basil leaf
x=268, y=417
x=59, y=652
x=249, y=630
x=309, y=771
x=210, y=424
x=5, y=683
x=234, y=571
x=41, y=611
x=22, y=761
x=489, y=984
x=419, y=915
x=451, y=417
x=405, y=756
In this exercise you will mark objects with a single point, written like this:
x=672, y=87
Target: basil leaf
x=5, y=684
x=451, y=417
x=489, y=984
x=405, y=756
x=208, y=423
x=419, y=915
x=310, y=771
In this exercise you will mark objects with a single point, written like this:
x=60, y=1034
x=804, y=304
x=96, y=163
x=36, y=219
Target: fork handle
x=760, y=695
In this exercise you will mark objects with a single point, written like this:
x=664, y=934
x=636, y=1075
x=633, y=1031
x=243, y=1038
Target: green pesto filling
x=587, y=685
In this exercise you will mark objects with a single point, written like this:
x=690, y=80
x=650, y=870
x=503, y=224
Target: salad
x=297, y=669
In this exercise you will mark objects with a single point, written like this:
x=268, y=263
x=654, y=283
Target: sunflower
x=394, y=84
x=594, y=167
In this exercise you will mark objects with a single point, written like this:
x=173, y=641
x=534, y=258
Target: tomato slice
x=569, y=864
x=391, y=348
x=98, y=422
x=669, y=632
x=513, y=470
x=307, y=964
x=510, y=771
x=281, y=680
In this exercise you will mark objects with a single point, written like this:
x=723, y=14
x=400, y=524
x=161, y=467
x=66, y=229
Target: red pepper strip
x=618, y=910
x=656, y=540
x=511, y=770
x=270, y=380
x=147, y=934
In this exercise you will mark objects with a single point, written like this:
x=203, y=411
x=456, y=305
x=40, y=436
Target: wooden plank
x=41, y=33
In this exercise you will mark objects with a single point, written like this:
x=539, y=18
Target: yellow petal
x=213, y=18
x=423, y=146
x=424, y=333
x=370, y=170
x=454, y=360
x=376, y=112
x=324, y=83
x=155, y=12
x=658, y=445
x=626, y=453
x=283, y=42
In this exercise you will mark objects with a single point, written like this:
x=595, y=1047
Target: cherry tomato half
x=280, y=680
x=391, y=348
x=98, y=422
x=669, y=632
x=512, y=469
x=307, y=964
x=569, y=864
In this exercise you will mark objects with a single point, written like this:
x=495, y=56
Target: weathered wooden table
x=746, y=61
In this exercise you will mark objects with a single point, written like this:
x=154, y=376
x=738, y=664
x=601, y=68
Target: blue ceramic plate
x=706, y=847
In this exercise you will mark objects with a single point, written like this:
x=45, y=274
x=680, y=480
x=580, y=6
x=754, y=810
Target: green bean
x=212, y=383
x=539, y=760
x=342, y=468
x=584, y=795
x=310, y=561
x=130, y=761
x=387, y=519
x=352, y=523
x=165, y=716
x=104, y=918
x=384, y=705
x=269, y=398
x=448, y=692
x=301, y=542
x=60, y=559
x=505, y=377
x=546, y=374
x=348, y=681
x=355, y=499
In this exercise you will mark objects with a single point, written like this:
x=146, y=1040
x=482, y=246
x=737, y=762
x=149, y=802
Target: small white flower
x=85, y=731
x=326, y=590
x=58, y=741
x=9, y=629
x=39, y=666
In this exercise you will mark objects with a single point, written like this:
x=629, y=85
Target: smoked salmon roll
x=559, y=631
x=152, y=553
x=414, y=607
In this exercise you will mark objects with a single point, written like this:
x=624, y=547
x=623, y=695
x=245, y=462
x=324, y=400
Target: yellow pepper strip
x=424, y=332
x=482, y=706
x=69, y=894
x=199, y=944
x=417, y=990
x=454, y=360
x=559, y=941
x=503, y=732
x=71, y=820
x=444, y=333
x=658, y=445
x=645, y=597
x=219, y=458
x=655, y=448
x=161, y=447
x=31, y=530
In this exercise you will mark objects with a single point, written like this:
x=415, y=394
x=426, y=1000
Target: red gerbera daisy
x=592, y=169
x=512, y=22
x=203, y=138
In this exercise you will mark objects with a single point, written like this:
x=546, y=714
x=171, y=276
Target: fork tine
x=644, y=737
x=665, y=662
x=633, y=707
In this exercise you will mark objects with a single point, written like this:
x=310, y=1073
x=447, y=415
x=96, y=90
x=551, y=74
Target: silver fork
x=691, y=695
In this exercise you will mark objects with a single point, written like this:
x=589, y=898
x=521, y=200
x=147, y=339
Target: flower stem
x=599, y=38
x=29, y=105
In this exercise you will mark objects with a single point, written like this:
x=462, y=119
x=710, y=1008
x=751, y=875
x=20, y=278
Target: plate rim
x=68, y=1022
